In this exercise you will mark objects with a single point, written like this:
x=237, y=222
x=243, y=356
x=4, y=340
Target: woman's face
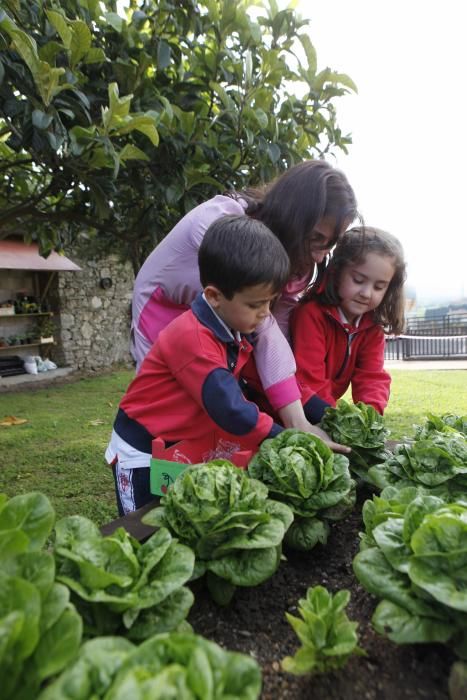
x=323, y=237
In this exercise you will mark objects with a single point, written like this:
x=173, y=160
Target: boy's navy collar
x=208, y=317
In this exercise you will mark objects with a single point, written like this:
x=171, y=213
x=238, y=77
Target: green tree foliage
x=117, y=125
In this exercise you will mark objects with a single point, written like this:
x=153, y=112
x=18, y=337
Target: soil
x=254, y=623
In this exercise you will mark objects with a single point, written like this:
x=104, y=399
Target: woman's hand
x=335, y=446
x=293, y=416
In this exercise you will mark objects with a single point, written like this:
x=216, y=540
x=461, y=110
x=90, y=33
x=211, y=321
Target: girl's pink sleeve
x=275, y=364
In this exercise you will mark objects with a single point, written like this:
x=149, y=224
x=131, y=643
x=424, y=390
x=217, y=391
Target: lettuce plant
x=228, y=521
x=447, y=423
x=414, y=558
x=301, y=471
x=327, y=635
x=40, y=631
x=181, y=666
x=120, y=585
x=438, y=461
x=360, y=427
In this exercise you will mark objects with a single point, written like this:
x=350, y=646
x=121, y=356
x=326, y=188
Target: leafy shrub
x=120, y=585
x=360, y=427
x=413, y=556
x=229, y=522
x=181, y=666
x=301, y=471
x=40, y=631
x=328, y=637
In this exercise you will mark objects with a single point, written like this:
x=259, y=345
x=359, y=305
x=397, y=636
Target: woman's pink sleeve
x=275, y=364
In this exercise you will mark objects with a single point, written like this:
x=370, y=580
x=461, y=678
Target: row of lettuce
x=64, y=583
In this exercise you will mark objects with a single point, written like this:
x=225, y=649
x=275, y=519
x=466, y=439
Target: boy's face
x=247, y=308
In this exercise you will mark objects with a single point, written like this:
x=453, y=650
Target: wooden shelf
x=42, y=313
x=25, y=345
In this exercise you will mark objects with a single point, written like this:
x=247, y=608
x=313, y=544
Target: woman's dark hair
x=238, y=252
x=292, y=205
x=352, y=249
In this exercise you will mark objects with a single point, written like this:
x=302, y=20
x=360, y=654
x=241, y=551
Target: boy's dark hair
x=296, y=201
x=352, y=248
x=238, y=252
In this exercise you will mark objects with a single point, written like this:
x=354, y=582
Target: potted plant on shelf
x=46, y=330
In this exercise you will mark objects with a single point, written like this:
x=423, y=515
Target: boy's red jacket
x=330, y=355
x=188, y=386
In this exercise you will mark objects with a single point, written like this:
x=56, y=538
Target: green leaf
x=32, y=514
x=40, y=119
x=95, y=55
x=61, y=26
x=306, y=533
x=115, y=21
x=163, y=55
x=144, y=124
x=130, y=152
x=80, y=41
x=310, y=53
x=403, y=627
x=58, y=645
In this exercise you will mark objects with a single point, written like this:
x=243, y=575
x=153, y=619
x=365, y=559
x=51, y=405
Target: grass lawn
x=59, y=451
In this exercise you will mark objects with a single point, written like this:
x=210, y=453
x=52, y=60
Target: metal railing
x=437, y=338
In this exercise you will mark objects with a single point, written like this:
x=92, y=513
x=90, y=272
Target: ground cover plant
x=362, y=428
x=120, y=586
x=327, y=635
x=178, y=666
x=301, y=471
x=227, y=519
x=40, y=630
x=59, y=450
x=413, y=558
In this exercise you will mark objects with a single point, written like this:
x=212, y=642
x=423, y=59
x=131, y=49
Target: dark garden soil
x=255, y=624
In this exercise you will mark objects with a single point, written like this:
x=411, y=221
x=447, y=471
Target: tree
x=113, y=127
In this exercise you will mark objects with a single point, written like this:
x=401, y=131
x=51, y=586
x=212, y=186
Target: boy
x=189, y=385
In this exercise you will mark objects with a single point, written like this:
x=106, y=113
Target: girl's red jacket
x=331, y=355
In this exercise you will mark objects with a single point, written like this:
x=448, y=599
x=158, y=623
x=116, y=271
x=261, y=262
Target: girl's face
x=323, y=237
x=362, y=286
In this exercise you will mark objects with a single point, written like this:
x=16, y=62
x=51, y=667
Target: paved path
x=425, y=364
x=30, y=380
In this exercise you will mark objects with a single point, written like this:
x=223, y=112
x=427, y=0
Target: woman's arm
x=275, y=364
x=293, y=416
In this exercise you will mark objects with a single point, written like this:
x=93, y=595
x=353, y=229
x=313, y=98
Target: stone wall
x=93, y=323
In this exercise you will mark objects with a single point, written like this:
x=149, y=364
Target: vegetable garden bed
x=255, y=623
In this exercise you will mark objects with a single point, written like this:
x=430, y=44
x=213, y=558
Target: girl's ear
x=213, y=296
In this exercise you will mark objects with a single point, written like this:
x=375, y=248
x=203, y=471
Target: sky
x=408, y=160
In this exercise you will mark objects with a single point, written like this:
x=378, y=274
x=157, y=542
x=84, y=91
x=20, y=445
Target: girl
x=338, y=329
x=308, y=207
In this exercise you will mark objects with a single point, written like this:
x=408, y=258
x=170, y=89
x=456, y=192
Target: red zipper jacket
x=331, y=355
x=189, y=386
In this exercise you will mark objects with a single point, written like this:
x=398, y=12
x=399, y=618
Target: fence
x=438, y=338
